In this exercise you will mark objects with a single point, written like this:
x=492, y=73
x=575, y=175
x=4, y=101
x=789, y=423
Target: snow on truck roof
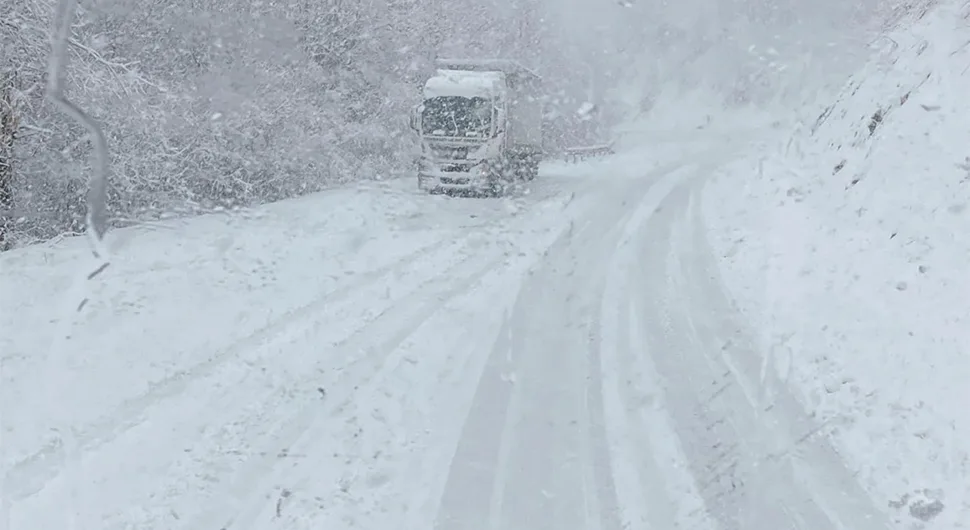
x=464, y=83
x=506, y=66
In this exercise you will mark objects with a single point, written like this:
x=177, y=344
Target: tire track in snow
x=625, y=494
x=30, y=474
x=245, y=501
x=733, y=447
x=400, y=426
x=494, y=480
x=802, y=445
x=716, y=436
x=473, y=466
x=654, y=490
x=604, y=473
x=546, y=471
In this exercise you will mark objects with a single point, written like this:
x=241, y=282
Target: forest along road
x=623, y=391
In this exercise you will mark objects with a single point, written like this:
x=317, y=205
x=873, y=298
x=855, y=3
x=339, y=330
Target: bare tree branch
x=97, y=218
x=8, y=133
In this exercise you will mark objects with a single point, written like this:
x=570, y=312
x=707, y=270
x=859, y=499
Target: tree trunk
x=8, y=129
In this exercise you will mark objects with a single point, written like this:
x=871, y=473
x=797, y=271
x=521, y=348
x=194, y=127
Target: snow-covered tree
x=8, y=128
x=216, y=103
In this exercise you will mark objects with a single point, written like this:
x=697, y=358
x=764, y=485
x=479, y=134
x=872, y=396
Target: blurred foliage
x=216, y=103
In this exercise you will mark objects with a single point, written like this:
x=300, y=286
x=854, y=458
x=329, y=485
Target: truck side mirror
x=498, y=116
x=414, y=120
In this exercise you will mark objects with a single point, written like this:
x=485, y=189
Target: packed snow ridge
x=848, y=242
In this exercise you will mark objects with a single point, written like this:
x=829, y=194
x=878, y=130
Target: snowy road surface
x=375, y=358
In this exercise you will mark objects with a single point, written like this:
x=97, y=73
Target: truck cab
x=479, y=125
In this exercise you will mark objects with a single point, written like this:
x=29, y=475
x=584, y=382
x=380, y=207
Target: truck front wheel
x=528, y=167
x=525, y=167
x=533, y=167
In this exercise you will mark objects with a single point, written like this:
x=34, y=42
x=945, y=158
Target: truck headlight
x=482, y=168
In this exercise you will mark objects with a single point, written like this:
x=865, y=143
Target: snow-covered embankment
x=849, y=246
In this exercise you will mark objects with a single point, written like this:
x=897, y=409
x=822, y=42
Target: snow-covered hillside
x=849, y=242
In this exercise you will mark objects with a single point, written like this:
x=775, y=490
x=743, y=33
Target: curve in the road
x=533, y=452
x=536, y=452
x=749, y=466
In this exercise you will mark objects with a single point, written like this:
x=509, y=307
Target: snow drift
x=847, y=243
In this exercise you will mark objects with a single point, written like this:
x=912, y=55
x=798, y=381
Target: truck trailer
x=480, y=126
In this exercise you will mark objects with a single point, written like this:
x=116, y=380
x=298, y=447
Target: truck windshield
x=457, y=116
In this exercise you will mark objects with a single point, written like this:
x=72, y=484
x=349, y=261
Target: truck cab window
x=457, y=116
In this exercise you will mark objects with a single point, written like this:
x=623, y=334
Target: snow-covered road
x=623, y=392
x=375, y=358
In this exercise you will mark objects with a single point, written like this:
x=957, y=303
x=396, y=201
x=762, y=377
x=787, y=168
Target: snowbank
x=849, y=244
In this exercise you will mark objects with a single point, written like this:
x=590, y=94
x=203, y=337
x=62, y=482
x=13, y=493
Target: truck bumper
x=458, y=181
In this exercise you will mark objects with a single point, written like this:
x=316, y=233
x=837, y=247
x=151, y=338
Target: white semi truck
x=480, y=126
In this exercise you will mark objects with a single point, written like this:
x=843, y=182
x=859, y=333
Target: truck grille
x=452, y=148
x=451, y=180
